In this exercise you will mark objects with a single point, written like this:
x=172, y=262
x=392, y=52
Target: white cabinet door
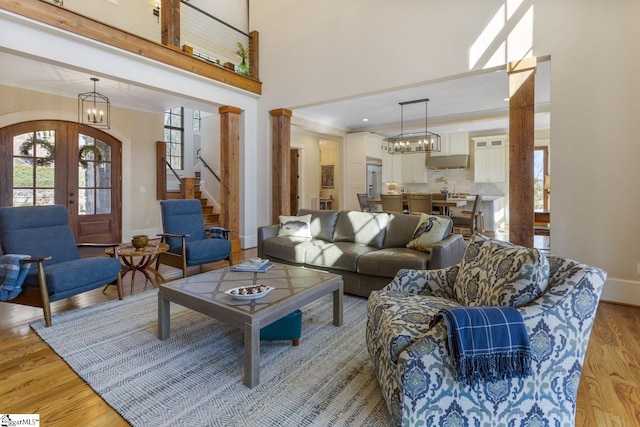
x=396, y=162
x=453, y=143
x=387, y=167
x=489, y=159
x=480, y=169
x=459, y=143
x=414, y=168
x=444, y=146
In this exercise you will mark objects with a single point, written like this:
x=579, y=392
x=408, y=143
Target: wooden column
x=281, y=168
x=230, y=176
x=254, y=55
x=170, y=22
x=521, y=150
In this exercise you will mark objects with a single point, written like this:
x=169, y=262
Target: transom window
x=196, y=120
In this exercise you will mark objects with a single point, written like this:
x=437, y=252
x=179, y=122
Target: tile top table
x=294, y=287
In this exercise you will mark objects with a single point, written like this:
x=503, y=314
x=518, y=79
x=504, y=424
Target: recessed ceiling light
x=365, y=120
x=506, y=99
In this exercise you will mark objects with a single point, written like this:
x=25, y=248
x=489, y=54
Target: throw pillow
x=497, y=273
x=430, y=229
x=295, y=226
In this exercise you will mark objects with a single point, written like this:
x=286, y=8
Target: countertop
x=484, y=198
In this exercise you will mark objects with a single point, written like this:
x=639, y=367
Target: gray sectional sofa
x=367, y=249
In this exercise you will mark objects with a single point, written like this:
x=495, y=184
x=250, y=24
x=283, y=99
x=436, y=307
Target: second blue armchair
x=184, y=231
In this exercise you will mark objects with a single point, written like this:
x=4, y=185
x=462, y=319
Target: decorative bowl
x=139, y=241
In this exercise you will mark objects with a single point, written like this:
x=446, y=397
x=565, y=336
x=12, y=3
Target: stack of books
x=260, y=267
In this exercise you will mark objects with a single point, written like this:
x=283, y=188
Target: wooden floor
x=34, y=380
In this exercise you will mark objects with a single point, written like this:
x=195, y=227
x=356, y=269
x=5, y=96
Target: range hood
x=457, y=161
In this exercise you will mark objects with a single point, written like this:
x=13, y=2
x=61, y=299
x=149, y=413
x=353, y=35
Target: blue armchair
x=186, y=236
x=57, y=270
x=557, y=299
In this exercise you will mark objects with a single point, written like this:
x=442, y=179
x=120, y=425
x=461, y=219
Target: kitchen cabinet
x=490, y=159
x=414, y=168
x=396, y=167
x=452, y=144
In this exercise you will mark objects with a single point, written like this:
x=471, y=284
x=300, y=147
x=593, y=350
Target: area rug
x=195, y=377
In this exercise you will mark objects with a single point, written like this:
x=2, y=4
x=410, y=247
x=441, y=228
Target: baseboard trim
x=619, y=291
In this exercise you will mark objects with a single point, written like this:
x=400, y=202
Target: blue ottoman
x=287, y=328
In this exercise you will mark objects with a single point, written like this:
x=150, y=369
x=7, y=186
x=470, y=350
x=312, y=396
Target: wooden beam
x=281, y=169
x=521, y=150
x=230, y=176
x=64, y=19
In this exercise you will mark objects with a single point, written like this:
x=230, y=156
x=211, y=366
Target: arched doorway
x=48, y=162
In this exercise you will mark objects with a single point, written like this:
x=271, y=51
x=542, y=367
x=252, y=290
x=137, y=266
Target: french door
x=56, y=162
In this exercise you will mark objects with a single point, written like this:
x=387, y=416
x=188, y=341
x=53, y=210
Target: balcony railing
x=132, y=26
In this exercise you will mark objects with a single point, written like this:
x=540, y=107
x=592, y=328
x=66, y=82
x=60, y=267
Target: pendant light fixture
x=94, y=109
x=414, y=142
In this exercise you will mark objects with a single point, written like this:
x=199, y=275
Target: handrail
x=186, y=3
x=207, y=166
x=172, y=170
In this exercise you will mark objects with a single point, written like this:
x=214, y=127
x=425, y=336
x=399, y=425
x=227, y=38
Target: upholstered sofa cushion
x=387, y=262
x=361, y=227
x=400, y=229
x=323, y=223
x=498, y=273
x=290, y=249
x=63, y=278
x=205, y=250
x=337, y=255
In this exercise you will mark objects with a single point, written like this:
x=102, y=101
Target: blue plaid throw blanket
x=486, y=343
x=12, y=275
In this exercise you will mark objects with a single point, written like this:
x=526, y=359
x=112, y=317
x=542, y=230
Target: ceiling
x=474, y=103
x=27, y=73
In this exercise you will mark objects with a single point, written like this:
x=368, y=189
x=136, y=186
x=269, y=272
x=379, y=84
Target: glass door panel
x=34, y=168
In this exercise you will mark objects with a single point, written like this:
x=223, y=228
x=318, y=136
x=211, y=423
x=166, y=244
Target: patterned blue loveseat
x=557, y=299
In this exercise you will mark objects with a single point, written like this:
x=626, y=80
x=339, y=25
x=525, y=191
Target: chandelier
x=94, y=108
x=414, y=142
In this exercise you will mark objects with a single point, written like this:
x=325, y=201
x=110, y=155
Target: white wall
x=321, y=51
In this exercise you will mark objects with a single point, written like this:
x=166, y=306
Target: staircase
x=211, y=218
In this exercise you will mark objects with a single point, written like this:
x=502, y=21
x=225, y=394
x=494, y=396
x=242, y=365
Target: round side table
x=147, y=256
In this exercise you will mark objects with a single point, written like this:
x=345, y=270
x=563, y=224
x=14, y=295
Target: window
x=173, y=137
x=540, y=170
x=196, y=120
x=33, y=168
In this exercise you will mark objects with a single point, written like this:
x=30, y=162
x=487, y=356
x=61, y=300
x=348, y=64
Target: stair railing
x=207, y=166
x=186, y=184
x=172, y=169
